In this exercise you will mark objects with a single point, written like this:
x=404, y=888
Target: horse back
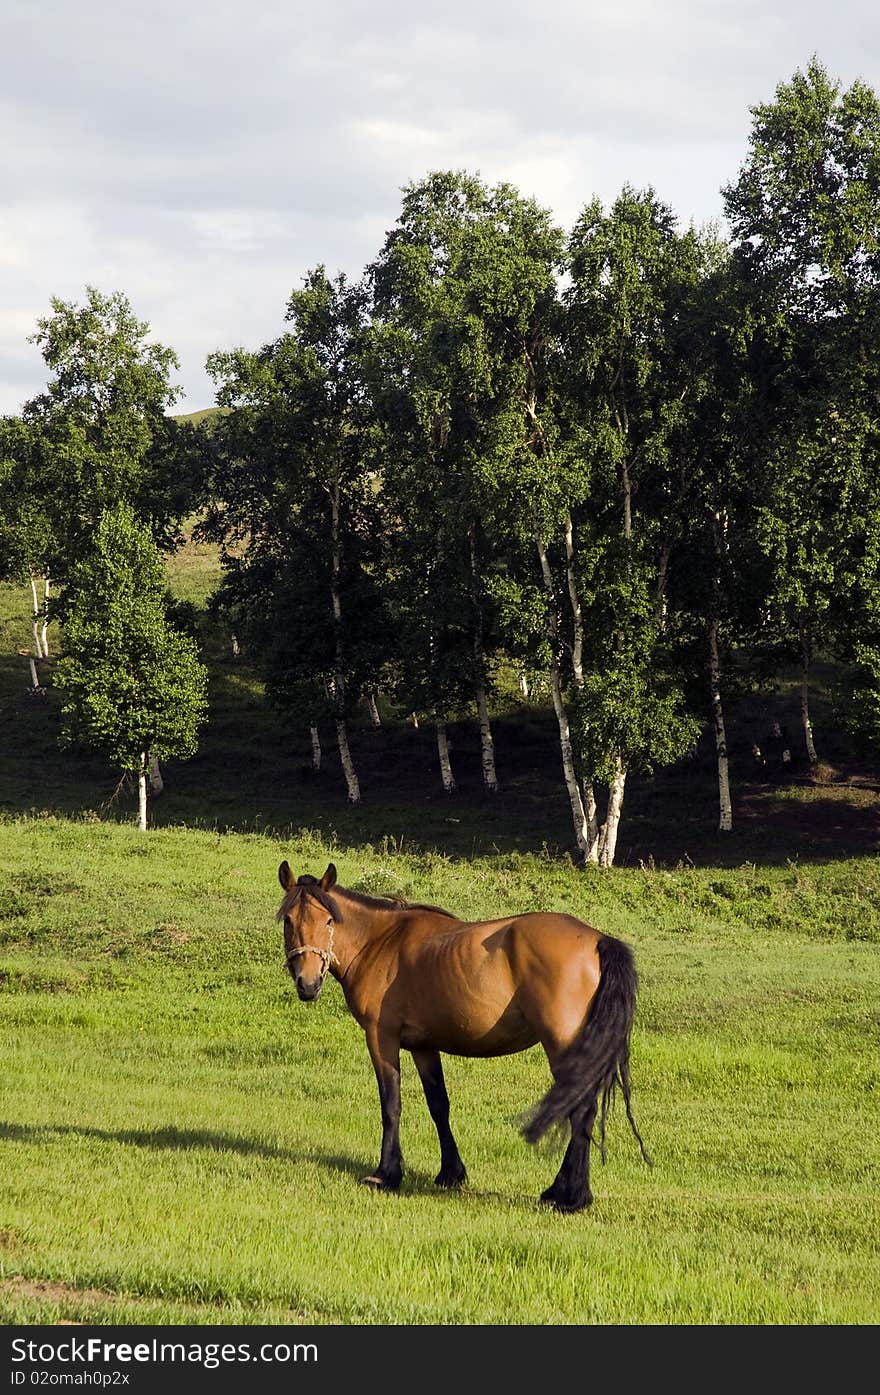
x=486, y=987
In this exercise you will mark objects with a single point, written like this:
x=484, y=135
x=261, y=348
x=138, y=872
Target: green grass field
x=182, y=1140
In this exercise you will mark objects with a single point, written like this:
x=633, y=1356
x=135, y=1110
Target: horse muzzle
x=308, y=990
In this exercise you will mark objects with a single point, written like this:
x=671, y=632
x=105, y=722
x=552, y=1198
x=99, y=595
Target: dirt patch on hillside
x=80, y=1300
x=46, y=1291
x=45, y=1288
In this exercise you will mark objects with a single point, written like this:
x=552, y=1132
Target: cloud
x=202, y=158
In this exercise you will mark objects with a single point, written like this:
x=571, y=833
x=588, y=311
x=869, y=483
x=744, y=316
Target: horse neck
x=360, y=926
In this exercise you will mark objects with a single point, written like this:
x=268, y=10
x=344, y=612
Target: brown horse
x=416, y=977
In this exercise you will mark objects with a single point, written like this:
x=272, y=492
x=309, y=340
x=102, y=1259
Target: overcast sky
x=203, y=155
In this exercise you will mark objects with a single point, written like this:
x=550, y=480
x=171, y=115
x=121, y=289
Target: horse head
x=309, y=913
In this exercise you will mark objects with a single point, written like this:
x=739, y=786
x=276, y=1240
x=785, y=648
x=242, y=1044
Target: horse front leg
x=385, y=1055
x=430, y=1068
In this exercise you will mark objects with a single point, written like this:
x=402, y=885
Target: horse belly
x=479, y=1019
x=453, y=1039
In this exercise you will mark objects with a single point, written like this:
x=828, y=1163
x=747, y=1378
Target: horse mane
x=391, y=903
x=310, y=886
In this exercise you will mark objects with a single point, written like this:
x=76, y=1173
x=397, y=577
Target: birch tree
x=26, y=546
x=295, y=509
x=712, y=576
x=435, y=373
x=632, y=388
x=131, y=685
x=428, y=569
x=805, y=216
x=96, y=435
x=102, y=413
x=469, y=274
x=442, y=622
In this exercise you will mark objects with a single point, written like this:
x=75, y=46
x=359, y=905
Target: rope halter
x=326, y=956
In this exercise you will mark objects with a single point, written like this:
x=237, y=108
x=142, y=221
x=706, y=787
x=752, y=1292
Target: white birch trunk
x=445, y=764
x=660, y=593
x=236, y=647
x=142, y=793
x=725, y=806
x=351, y=779
x=592, y=813
x=35, y=620
x=608, y=837
x=316, y=749
x=487, y=748
x=524, y=687
x=35, y=678
x=577, y=624
x=45, y=626
x=583, y=805
x=157, y=784
x=374, y=710
x=627, y=490
x=584, y=835
x=807, y=724
x=812, y=757
x=577, y=667
x=414, y=717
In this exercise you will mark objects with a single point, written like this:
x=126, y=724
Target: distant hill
x=206, y=414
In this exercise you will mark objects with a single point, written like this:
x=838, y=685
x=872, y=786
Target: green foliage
x=805, y=213
x=625, y=712
x=24, y=517
x=99, y=433
x=105, y=376
x=293, y=503
x=522, y=613
x=804, y=209
x=130, y=683
x=464, y=294
x=638, y=372
x=859, y=697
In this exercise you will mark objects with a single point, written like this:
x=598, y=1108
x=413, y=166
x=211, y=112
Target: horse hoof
x=450, y=1181
x=566, y=1206
x=379, y=1184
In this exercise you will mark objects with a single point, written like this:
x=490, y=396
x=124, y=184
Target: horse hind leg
x=430, y=1068
x=570, y=1189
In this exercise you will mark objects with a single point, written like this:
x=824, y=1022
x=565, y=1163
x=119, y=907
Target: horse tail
x=597, y=1062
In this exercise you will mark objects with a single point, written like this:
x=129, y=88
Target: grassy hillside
x=182, y=1139
x=203, y=415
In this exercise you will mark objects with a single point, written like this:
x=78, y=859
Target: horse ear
x=285, y=876
x=329, y=878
